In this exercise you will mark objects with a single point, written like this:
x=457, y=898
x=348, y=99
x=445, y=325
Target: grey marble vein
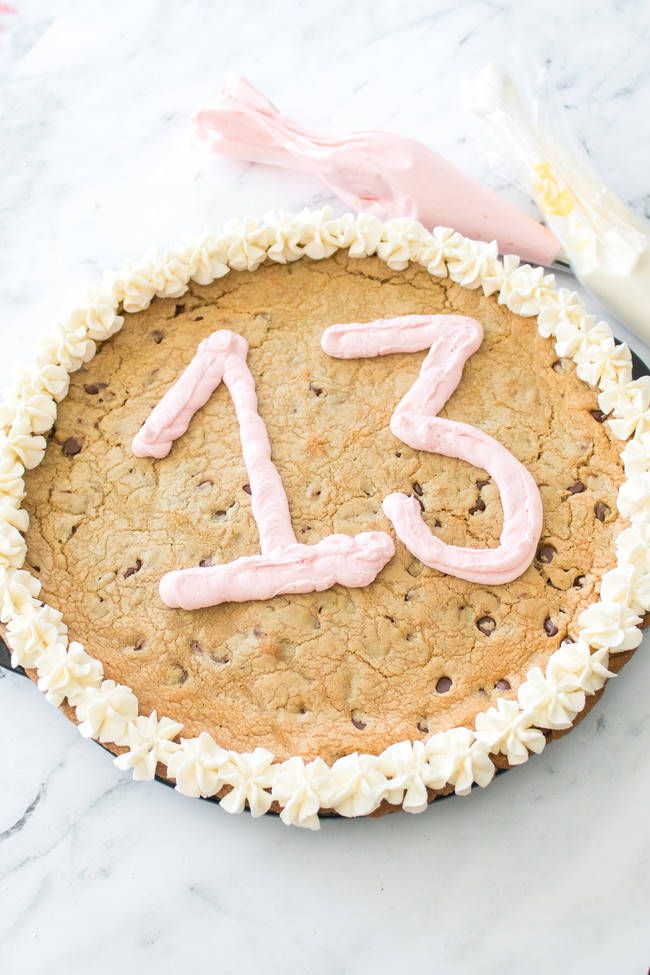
x=16, y=827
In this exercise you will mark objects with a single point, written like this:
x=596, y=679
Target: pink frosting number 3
x=451, y=340
x=286, y=566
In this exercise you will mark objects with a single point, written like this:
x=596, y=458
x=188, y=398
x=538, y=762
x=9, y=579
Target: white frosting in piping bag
x=608, y=245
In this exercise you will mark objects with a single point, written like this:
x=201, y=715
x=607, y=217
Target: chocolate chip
x=199, y=318
x=578, y=582
x=437, y=524
x=93, y=388
x=219, y=515
x=72, y=446
x=482, y=692
x=423, y=727
x=205, y=562
x=140, y=644
x=183, y=676
x=486, y=625
x=157, y=336
x=247, y=489
x=131, y=571
x=178, y=310
x=598, y=415
x=443, y=685
x=601, y=510
x=481, y=484
x=545, y=553
x=196, y=647
x=419, y=501
x=560, y=365
x=576, y=488
x=316, y=390
x=398, y=453
x=417, y=487
x=550, y=627
x=502, y=685
x=479, y=506
x=357, y=722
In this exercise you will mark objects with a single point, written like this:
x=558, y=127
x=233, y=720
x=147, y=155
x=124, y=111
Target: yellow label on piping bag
x=554, y=198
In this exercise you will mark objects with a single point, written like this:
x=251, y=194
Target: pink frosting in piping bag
x=451, y=340
x=383, y=173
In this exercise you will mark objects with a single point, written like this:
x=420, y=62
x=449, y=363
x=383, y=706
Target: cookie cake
x=335, y=537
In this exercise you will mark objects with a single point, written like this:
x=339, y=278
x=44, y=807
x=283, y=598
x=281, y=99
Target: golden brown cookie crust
x=343, y=670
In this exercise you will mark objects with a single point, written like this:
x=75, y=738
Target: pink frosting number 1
x=286, y=566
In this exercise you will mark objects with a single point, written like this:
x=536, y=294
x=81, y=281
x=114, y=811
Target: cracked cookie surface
x=347, y=669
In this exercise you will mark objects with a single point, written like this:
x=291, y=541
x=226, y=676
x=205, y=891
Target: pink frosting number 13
x=286, y=566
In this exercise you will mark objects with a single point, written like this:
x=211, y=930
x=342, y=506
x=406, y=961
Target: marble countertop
x=546, y=871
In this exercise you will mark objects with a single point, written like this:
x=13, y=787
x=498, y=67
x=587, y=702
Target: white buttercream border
x=355, y=785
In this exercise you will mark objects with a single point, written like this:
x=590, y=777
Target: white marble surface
x=546, y=871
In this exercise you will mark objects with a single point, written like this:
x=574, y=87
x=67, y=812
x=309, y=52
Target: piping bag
x=383, y=173
x=607, y=245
